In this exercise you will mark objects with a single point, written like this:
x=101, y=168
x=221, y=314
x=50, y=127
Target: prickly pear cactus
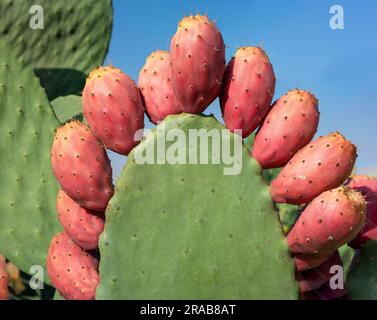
x=71, y=29
x=190, y=232
x=68, y=108
x=362, y=277
x=27, y=185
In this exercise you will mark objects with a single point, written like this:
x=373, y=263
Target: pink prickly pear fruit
x=4, y=279
x=367, y=186
x=248, y=88
x=81, y=166
x=332, y=219
x=289, y=126
x=155, y=83
x=314, y=278
x=113, y=107
x=73, y=272
x=82, y=225
x=197, y=54
x=309, y=261
x=321, y=165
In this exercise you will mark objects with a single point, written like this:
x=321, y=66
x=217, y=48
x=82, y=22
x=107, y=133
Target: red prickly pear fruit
x=324, y=293
x=82, y=225
x=4, y=279
x=321, y=165
x=73, y=272
x=197, y=54
x=309, y=261
x=367, y=186
x=81, y=166
x=113, y=107
x=314, y=278
x=332, y=219
x=155, y=82
x=289, y=126
x=248, y=88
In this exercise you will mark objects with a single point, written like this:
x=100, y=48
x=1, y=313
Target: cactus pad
x=79, y=30
x=188, y=231
x=362, y=278
x=68, y=108
x=27, y=184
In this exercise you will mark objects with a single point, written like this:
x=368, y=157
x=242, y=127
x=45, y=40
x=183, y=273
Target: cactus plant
x=27, y=184
x=211, y=236
x=61, y=43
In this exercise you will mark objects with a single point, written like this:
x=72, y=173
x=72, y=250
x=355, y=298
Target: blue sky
x=338, y=66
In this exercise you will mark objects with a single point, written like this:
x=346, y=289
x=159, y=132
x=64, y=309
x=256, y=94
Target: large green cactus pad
x=362, y=277
x=74, y=39
x=27, y=185
x=190, y=232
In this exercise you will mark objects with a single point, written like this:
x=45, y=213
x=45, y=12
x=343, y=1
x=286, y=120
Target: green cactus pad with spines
x=27, y=185
x=188, y=231
x=74, y=40
x=68, y=108
x=362, y=277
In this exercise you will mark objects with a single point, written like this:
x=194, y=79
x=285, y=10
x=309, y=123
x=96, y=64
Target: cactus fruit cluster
x=174, y=230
